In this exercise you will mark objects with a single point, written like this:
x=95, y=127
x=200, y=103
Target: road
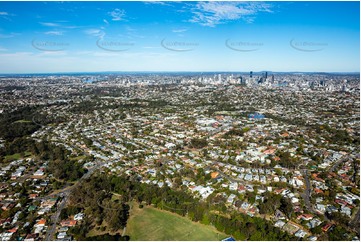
x=307, y=193
x=66, y=192
x=55, y=217
x=228, y=177
x=337, y=163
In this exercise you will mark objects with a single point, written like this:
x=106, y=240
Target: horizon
x=73, y=37
x=176, y=72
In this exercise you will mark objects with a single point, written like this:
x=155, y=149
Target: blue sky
x=41, y=37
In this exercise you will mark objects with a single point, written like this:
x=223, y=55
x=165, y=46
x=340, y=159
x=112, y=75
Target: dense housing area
x=258, y=158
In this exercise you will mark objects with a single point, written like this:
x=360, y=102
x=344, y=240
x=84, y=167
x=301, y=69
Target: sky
x=44, y=37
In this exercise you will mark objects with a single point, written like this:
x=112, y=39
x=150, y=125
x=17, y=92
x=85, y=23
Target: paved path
x=125, y=228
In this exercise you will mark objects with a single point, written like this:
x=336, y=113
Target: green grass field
x=9, y=158
x=150, y=223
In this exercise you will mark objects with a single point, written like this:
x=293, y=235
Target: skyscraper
x=250, y=74
x=344, y=88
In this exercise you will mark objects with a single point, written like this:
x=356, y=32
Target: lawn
x=149, y=223
x=15, y=156
x=81, y=157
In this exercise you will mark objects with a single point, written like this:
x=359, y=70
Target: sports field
x=149, y=223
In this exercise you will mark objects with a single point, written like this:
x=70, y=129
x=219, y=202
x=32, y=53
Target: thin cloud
x=105, y=21
x=71, y=27
x=179, y=30
x=19, y=55
x=132, y=33
x=57, y=33
x=151, y=47
x=117, y=14
x=6, y=36
x=53, y=53
x=130, y=29
x=58, y=25
x=95, y=32
x=49, y=24
x=213, y=13
x=6, y=15
x=157, y=3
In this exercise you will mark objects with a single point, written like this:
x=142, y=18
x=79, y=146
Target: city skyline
x=179, y=36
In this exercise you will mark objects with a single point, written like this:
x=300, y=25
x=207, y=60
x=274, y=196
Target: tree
x=337, y=233
x=256, y=236
x=205, y=219
x=198, y=143
x=239, y=235
x=117, y=215
x=286, y=206
x=251, y=229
